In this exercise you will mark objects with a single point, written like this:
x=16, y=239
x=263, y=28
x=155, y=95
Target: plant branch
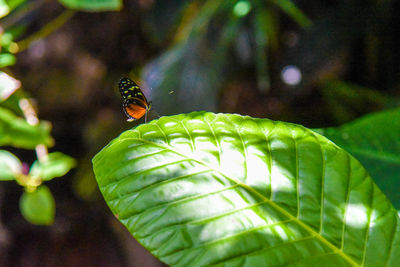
x=32, y=119
x=49, y=28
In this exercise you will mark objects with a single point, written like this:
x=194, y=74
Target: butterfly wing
x=129, y=89
x=134, y=108
x=135, y=104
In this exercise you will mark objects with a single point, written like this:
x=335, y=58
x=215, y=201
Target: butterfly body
x=135, y=104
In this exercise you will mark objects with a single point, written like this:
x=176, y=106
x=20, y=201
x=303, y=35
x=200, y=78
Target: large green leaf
x=17, y=132
x=199, y=189
x=93, y=5
x=375, y=141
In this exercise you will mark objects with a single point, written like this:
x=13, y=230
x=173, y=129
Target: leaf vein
x=182, y=200
x=244, y=149
x=150, y=186
x=192, y=146
x=368, y=226
x=210, y=218
x=216, y=141
x=262, y=250
x=346, y=204
x=269, y=161
x=235, y=235
x=146, y=171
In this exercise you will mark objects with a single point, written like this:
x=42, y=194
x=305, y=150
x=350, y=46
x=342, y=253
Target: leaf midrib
x=267, y=200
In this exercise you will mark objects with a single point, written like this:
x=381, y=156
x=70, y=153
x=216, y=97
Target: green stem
x=46, y=30
x=293, y=11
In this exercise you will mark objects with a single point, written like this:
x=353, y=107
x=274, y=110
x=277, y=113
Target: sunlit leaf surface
x=375, y=141
x=199, y=189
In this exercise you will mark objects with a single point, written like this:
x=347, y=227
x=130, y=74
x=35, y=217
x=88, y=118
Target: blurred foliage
x=195, y=66
x=212, y=44
x=90, y=5
x=348, y=101
x=37, y=203
x=19, y=124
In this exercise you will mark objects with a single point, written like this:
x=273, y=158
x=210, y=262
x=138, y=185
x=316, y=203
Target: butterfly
x=135, y=104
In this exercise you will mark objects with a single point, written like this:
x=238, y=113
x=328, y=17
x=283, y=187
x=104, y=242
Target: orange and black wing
x=135, y=104
x=134, y=108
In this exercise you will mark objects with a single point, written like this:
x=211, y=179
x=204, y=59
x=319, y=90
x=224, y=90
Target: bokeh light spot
x=291, y=75
x=242, y=8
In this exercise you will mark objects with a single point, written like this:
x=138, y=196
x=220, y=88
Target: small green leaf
x=93, y=5
x=10, y=166
x=204, y=189
x=57, y=164
x=4, y=9
x=7, y=59
x=6, y=39
x=8, y=85
x=375, y=141
x=38, y=207
x=16, y=132
x=6, y=6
